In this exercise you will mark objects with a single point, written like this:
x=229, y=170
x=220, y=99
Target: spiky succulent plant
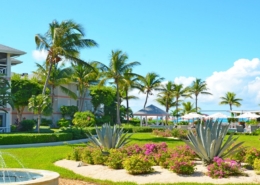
x=208, y=141
x=109, y=137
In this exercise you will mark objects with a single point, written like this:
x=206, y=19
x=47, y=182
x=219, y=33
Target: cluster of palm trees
x=63, y=42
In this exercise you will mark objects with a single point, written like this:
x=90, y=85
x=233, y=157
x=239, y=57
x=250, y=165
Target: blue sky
x=179, y=40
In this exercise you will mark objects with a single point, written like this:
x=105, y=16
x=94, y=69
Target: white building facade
x=7, y=60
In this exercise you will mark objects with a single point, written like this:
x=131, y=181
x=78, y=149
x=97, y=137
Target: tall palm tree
x=167, y=102
x=230, y=99
x=198, y=87
x=115, y=71
x=178, y=92
x=187, y=107
x=151, y=82
x=58, y=77
x=62, y=42
x=85, y=76
x=128, y=84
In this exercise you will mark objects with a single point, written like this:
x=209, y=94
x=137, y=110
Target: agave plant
x=109, y=137
x=208, y=141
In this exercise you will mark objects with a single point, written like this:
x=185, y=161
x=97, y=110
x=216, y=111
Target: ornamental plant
x=257, y=165
x=208, y=141
x=240, y=156
x=132, y=149
x=186, y=151
x=221, y=168
x=181, y=165
x=137, y=164
x=115, y=159
x=180, y=133
x=98, y=157
x=163, y=133
x=251, y=155
x=86, y=155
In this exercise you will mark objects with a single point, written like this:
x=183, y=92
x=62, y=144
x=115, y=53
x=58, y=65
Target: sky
x=216, y=41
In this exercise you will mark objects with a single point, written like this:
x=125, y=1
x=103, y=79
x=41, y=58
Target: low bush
x=27, y=125
x=180, y=133
x=224, y=168
x=256, y=165
x=181, y=165
x=84, y=119
x=137, y=164
x=115, y=159
x=251, y=155
x=163, y=133
x=9, y=139
x=46, y=122
x=183, y=123
x=86, y=155
x=186, y=151
x=77, y=133
x=98, y=157
x=64, y=122
x=240, y=155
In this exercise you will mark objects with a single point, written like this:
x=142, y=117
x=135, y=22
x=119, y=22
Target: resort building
x=7, y=59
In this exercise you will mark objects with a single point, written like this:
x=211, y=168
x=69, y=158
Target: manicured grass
x=44, y=157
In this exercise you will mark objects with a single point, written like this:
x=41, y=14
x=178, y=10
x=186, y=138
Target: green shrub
x=27, y=125
x=68, y=111
x=256, y=165
x=75, y=154
x=84, y=119
x=137, y=164
x=14, y=128
x=64, y=122
x=86, y=155
x=9, y=139
x=183, y=123
x=77, y=133
x=182, y=165
x=115, y=159
x=180, y=133
x=240, y=155
x=46, y=122
x=251, y=155
x=98, y=157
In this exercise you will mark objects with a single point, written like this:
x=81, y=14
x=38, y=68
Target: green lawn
x=43, y=157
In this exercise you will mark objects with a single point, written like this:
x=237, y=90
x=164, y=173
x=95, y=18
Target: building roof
x=13, y=52
x=151, y=110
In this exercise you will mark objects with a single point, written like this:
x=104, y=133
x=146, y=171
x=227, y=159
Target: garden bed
x=160, y=175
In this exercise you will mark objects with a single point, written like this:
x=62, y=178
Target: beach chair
x=240, y=128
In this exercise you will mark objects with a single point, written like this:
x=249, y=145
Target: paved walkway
x=44, y=144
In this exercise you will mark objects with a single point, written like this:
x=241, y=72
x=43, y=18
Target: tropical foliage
x=230, y=99
x=208, y=141
x=5, y=94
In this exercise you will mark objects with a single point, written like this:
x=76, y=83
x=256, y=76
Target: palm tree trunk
x=146, y=100
x=177, y=101
x=47, y=79
x=39, y=122
x=196, y=102
x=127, y=107
x=118, y=105
x=52, y=102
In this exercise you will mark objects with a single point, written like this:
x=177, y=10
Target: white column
x=8, y=114
x=141, y=121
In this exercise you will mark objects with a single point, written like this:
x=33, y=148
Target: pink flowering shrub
x=186, y=151
x=138, y=164
x=240, y=155
x=221, y=168
x=115, y=159
x=153, y=152
x=181, y=164
x=132, y=149
x=163, y=133
x=251, y=155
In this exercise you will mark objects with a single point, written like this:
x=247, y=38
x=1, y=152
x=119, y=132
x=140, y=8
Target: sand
x=159, y=176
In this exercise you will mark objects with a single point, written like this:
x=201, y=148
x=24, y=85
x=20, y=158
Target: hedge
x=9, y=139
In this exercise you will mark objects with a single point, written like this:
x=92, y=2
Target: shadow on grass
x=156, y=140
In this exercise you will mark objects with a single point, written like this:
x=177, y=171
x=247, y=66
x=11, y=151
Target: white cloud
x=39, y=55
x=243, y=78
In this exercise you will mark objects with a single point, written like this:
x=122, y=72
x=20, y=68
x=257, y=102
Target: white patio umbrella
x=192, y=115
x=217, y=115
x=248, y=115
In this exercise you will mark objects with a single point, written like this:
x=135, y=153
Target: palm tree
x=178, y=92
x=128, y=83
x=187, y=107
x=151, y=82
x=85, y=77
x=115, y=71
x=62, y=41
x=39, y=104
x=166, y=102
x=198, y=87
x=230, y=99
x=58, y=77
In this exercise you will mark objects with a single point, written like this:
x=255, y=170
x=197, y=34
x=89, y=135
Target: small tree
x=40, y=104
x=84, y=119
x=22, y=90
